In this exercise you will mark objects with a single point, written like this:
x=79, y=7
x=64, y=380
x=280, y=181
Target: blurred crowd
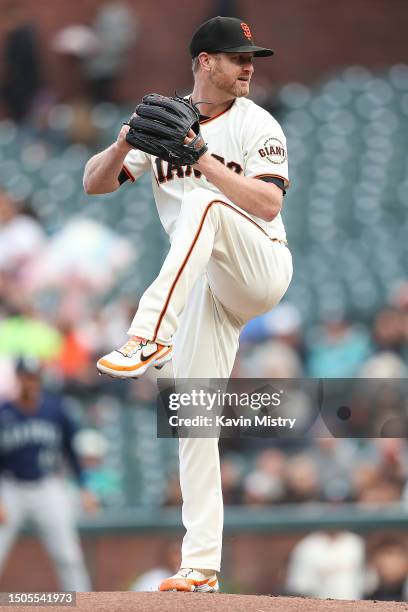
x=338, y=565
x=51, y=305
x=50, y=295
x=330, y=470
x=92, y=56
x=55, y=305
x=53, y=309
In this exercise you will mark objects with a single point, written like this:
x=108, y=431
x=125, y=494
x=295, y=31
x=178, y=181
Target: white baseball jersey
x=245, y=137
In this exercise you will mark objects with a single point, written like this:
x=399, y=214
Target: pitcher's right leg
x=205, y=347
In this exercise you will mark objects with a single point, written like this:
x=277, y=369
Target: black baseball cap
x=227, y=34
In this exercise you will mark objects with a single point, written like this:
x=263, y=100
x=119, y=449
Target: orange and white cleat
x=191, y=580
x=134, y=358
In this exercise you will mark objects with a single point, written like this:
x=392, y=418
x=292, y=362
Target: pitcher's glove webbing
x=160, y=127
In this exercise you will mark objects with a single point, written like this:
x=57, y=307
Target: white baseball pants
x=47, y=505
x=222, y=270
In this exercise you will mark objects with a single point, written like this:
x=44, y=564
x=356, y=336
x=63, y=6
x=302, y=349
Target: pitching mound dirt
x=199, y=602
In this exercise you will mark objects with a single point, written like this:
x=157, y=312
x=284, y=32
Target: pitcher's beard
x=236, y=89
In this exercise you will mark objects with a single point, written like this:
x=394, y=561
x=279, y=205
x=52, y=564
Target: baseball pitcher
x=219, y=175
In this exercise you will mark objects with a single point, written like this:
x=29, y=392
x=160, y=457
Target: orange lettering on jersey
x=235, y=167
x=186, y=171
x=246, y=30
x=171, y=169
x=159, y=167
x=220, y=159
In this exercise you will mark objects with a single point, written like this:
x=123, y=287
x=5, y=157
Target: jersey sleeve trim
x=275, y=180
x=265, y=175
x=123, y=177
x=128, y=172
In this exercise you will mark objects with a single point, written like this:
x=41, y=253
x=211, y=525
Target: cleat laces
x=132, y=346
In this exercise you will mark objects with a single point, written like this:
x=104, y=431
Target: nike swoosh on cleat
x=143, y=358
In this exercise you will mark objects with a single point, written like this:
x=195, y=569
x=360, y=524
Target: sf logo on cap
x=246, y=30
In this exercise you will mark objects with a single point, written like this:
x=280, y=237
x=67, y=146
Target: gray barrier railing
x=301, y=517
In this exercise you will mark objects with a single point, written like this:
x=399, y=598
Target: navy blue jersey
x=32, y=445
